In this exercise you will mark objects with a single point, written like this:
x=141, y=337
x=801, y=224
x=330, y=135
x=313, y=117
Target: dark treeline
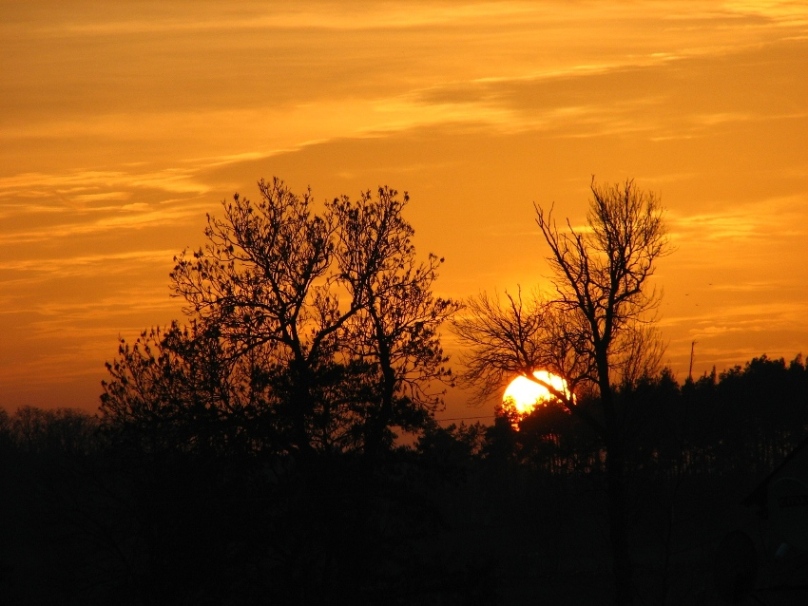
x=742, y=421
x=187, y=510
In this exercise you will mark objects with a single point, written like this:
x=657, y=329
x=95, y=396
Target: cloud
x=206, y=17
x=60, y=340
x=174, y=180
x=785, y=12
x=71, y=320
x=766, y=318
x=103, y=197
x=85, y=203
x=757, y=220
x=533, y=71
x=130, y=220
x=85, y=265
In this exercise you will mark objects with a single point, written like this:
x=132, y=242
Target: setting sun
x=523, y=394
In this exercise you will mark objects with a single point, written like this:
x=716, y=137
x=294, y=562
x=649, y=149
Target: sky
x=123, y=123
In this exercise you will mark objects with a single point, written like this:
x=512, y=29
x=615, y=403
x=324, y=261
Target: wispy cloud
x=74, y=319
x=740, y=316
x=175, y=180
x=63, y=340
x=128, y=220
x=731, y=222
x=83, y=203
x=330, y=16
x=358, y=16
x=789, y=12
x=84, y=265
x=103, y=197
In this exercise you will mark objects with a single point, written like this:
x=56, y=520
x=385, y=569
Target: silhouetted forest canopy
x=470, y=514
x=249, y=455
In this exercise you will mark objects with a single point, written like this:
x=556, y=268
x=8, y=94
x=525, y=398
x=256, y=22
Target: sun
x=523, y=395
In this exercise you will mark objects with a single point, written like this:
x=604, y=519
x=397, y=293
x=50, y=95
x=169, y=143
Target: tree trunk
x=618, y=528
x=622, y=569
x=374, y=430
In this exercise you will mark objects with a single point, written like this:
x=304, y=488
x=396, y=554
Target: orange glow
x=120, y=129
x=523, y=395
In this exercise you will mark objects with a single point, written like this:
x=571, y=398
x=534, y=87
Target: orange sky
x=123, y=123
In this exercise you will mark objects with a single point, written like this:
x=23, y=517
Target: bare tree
x=515, y=338
x=500, y=339
x=596, y=330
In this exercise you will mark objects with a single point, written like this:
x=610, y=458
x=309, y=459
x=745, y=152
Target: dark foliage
x=307, y=333
x=467, y=515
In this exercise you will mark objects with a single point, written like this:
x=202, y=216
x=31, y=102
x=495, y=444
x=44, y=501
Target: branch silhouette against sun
x=596, y=330
x=500, y=340
x=516, y=337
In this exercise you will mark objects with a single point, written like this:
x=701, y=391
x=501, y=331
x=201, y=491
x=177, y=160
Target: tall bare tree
x=596, y=330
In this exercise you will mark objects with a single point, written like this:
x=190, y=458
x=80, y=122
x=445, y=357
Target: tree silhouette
x=310, y=332
x=594, y=330
x=311, y=335
x=395, y=329
x=174, y=389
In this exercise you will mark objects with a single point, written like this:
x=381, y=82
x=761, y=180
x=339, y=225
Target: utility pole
x=690, y=370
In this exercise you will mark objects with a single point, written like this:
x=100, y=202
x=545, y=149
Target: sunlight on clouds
x=112, y=196
x=16, y=210
x=173, y=180
x=734, y=332
x=718, y=226
x=131, y=220
x=790, y=12
x=82, y=203
x=56, y=341
x=207, y=17
x=761, y=219
x=84, y=265
x=121, y=125
x=721, y=118
x=404, y=114
x=742, y=321
x=345, y=16
x=58, y=317
x=57, y=367
x=732, y=313
x=210, y=16
x=357, y=16
x=753, y=286
x=135, y=207
x=283, y=111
